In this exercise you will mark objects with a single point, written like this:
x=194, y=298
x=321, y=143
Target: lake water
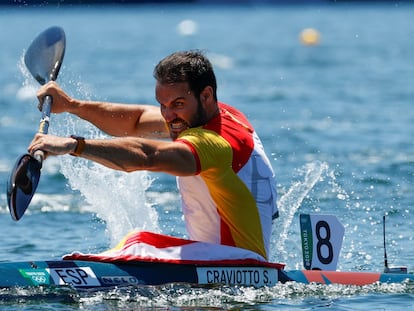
x=336, y=120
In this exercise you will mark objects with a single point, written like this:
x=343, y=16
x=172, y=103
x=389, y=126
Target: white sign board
x=322, y=237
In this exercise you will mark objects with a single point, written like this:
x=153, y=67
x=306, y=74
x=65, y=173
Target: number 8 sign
x=322, y=237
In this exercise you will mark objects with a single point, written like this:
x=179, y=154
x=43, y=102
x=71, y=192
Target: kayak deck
x=87, y=274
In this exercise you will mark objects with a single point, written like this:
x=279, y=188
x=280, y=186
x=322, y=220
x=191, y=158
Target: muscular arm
x=122, y=119
x=131, y=154
x=112, y=118
x=125, y=153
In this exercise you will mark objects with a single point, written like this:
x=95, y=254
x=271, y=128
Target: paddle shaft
x=44, y=125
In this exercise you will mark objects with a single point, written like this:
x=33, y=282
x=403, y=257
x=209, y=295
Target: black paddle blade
x=45, y=55
x=22, y=184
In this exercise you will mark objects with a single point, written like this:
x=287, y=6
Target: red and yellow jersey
x=232, y=198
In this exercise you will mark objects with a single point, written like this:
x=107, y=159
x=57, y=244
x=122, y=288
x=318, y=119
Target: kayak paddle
x=43, y=59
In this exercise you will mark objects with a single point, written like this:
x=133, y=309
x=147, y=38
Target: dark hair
x=187, y=66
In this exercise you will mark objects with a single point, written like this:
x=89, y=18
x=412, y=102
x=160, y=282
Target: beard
x=201, y=116
x=199, y=119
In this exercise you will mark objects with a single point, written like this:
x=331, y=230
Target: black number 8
x=324, y=241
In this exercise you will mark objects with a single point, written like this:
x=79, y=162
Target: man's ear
x=206, y=95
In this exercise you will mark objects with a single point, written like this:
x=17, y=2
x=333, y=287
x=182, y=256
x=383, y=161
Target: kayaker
x=226, y=181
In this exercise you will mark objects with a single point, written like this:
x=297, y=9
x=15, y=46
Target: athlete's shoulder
x=233, y=114
x=231, y=109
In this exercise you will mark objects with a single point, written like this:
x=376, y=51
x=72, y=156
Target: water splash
x=291, y=201
x=117, y=198
x=188, y=297
x=310, y=175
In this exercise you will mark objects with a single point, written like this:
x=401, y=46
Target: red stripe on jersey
x=234, y=127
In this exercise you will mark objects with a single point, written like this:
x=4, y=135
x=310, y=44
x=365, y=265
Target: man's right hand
x=61, y=101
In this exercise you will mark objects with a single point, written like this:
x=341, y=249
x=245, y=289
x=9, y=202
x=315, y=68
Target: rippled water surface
x=336, y=120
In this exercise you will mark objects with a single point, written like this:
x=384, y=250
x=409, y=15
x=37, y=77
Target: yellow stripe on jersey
x=235, y=203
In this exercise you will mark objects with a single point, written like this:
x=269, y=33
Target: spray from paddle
x=117, y=198
x=290, y=202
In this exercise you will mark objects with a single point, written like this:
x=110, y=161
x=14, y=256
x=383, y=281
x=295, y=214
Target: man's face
x=179, y=107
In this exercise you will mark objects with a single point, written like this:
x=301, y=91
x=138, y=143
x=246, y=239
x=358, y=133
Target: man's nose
x=169, y=115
